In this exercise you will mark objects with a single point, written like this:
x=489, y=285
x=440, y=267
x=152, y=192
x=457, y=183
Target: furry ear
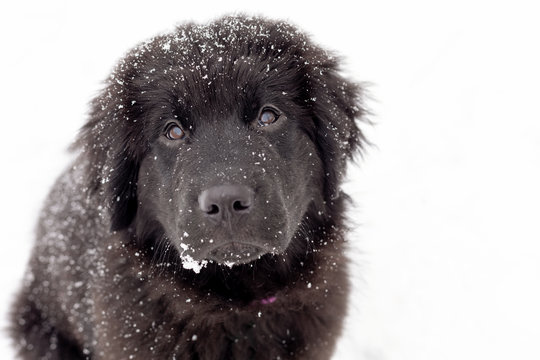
x=122, y=193
x=336, y=106
x=112, y=146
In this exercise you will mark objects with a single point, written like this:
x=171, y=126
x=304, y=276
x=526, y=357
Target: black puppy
x=203, y=217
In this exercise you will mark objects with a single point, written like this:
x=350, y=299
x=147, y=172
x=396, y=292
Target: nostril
x=221, y=201
x=214, y=209
x=240, y=206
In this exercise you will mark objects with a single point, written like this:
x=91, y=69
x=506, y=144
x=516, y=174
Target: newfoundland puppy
x=202, y=217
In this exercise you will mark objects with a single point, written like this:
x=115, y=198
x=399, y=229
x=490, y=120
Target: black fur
x=111, y=274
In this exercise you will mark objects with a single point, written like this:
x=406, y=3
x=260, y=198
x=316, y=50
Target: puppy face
x=232, y=139
x=231, y=166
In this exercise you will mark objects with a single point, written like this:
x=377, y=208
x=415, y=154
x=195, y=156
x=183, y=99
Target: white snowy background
x=446, y=249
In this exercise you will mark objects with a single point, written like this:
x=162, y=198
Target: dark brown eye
x=267, y=117
x=174, y=132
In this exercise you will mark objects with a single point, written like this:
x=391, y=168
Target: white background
x=446, y=247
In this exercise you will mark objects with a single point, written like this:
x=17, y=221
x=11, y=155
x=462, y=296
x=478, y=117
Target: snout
x=224, y=206
x=233, y=224
x=226, y=202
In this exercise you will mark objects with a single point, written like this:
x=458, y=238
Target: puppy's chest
x=165, y=326
x=138, y=312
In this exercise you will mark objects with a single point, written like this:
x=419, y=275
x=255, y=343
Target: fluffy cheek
x=156, y=188
x=303, y=183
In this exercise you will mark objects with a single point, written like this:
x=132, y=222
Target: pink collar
x=268, y=300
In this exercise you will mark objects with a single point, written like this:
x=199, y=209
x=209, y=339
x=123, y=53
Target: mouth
x=234, y=253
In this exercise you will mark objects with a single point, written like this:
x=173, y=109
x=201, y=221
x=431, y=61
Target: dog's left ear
x=337, y=108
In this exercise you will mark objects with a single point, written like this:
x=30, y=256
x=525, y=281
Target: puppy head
x=223, y=140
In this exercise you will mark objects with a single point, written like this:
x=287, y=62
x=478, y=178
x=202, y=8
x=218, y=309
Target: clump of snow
x=188, y=262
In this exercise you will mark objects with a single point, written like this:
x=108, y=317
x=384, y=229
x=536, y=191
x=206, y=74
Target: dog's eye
x=267, y=117
x=174, y=132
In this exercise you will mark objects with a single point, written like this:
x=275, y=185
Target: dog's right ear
x=112, y=148
x=122, y=194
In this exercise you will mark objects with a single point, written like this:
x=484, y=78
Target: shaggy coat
x=202, y=217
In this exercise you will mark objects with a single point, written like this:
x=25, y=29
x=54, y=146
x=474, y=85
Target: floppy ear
x=336, y=107
x=122, y=193
x=112, y=147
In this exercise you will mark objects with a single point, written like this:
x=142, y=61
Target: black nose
x=222, y=201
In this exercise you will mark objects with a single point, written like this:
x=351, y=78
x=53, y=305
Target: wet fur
x=105, y=282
